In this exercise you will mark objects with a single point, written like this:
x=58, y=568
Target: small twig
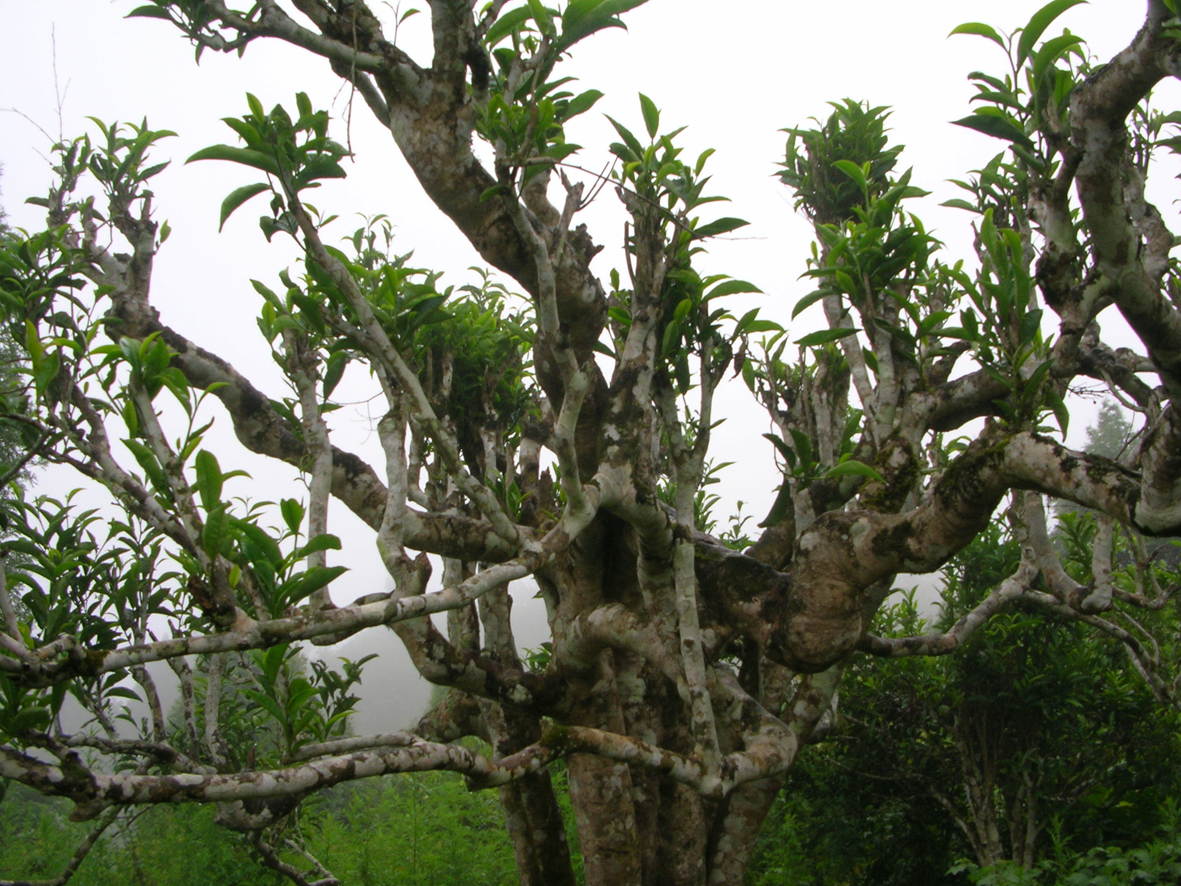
x=271, y=859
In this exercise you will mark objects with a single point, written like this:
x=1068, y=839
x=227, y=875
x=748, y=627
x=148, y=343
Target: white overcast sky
x=734, y=73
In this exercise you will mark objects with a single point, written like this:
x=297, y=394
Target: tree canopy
x=549, y=426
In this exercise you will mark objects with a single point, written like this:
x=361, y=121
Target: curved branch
x=381, y=56
x=1120, y=224
x=1012, y=588
x=770, y=750
x=338, y=623
x=270, y=858
x=93, y=793
x=824, y=613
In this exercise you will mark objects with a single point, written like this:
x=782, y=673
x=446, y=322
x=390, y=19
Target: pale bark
x=673, y=759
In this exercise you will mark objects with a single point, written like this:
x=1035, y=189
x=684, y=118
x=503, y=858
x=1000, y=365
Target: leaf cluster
x=295, y=155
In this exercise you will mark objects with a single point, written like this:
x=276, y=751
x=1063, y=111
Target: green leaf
x=1030, y=324
x=803, y=447
x=748, y=374
x=854, y=468
x=854, y=171
x=312, y=581
x=324, y=542
x=1061, y=412
x=980, y=30
x=47, y=371
x=750, y=322
x=271, y=660
x=309, y=309
x=334, y=371
x=209, y=479
x=672, y=338
x=824, y=336
x=719, y=226
x=507, y=24
x=149, y=12
x=292, y=512
x=33, y=344
x=494, y=191
x=651, y=115
x=426, y=311
x=600, y=348
x=630, y=140
x=1052, y=50
x=237, y=197
x=245, y=131
x=265, y=702
x=786, y=451
x=264, y=547
x=1002, y=127
x=217, y=522
x=123, y=692
x=256, y=107
x=581, y=103
x=541, y=15
x=245, y=156
x=285, y=224
x=581, y=18
x=1039, y=376
x=807, y=301
x=731, y=287
x=304, y=104
x=318, y=168
x=29, y=718
x=1041, y=20
x=764, y=326
x=779, y=509
x=267, y=293
x=152, y=171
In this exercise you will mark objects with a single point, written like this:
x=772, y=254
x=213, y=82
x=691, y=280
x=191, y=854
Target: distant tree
x=564, y=435
x=424, y=829
x=1111, y=433
x=1034, y=725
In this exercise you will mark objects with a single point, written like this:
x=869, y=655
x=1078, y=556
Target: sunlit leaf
x=853, y=468
x=245, y=156
x=997, y=126
x=651, y=115
x=980, y=30
x=1041, y=20
x=237, y=197
x=719, y=226
x=825, y=336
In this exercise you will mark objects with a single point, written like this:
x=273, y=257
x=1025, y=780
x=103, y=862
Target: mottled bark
x=673, y=758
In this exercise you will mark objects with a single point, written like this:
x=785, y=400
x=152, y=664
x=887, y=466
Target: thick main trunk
x=537, y=832
x=531, y=811
x=736, y=831
x=637, y=828
x=601, y=793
